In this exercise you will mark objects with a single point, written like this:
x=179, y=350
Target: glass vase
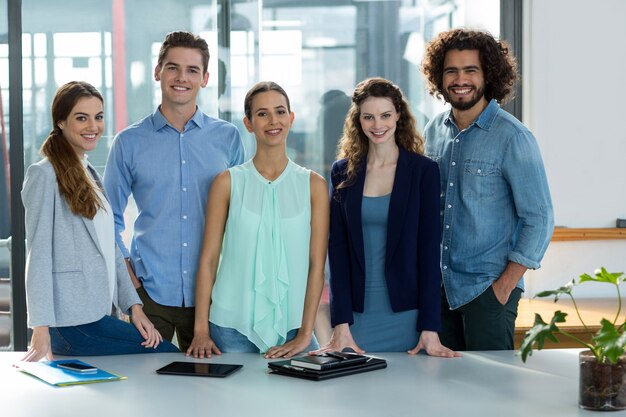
x=602, y=385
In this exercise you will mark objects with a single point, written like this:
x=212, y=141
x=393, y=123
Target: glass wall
x=316, y=49
x=5, y=212
x=5, y=221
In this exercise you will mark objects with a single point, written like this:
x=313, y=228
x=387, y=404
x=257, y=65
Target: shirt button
x=449, y=205
x=184, y=162
x=447, y=226
x=451, y=184
x=479, y=171
x=457, y=141
x=445, y=248
x=453, y=163
x=184, y=217
x=184, y=244
x=184, y=272
x=445, y=267
x=184, y=188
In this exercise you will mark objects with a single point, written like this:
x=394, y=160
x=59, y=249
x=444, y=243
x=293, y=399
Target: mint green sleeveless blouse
x=263, y=272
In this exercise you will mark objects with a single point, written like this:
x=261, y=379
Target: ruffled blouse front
x=262, y=276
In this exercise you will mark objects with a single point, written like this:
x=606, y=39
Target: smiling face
x=84, y=125
x=270, y=119
x=181, y=75
x=378, y=118
x=463, y=79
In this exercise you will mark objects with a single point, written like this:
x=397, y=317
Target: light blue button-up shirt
x=495, y=201
x=169, y=174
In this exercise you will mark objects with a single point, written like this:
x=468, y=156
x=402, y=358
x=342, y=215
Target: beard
x=464, y=104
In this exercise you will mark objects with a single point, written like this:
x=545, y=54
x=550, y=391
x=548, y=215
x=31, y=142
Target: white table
x=481, y=384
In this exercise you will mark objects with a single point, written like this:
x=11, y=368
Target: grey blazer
x=66, y=274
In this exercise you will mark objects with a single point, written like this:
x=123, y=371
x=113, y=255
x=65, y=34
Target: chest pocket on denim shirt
x=481, y=179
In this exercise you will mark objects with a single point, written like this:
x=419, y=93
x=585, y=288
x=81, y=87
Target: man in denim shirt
x=496, y=210
x=167, y=161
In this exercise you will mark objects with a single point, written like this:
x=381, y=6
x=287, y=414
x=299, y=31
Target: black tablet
x=219, y=370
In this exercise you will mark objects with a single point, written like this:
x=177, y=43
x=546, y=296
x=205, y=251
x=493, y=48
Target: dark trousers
x=168, y=320
x=481, y=324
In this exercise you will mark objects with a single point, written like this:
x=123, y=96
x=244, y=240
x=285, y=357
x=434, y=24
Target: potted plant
x=603, y=364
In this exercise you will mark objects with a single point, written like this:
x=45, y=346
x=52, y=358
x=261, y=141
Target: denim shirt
x=169, y=174
x=495, y=201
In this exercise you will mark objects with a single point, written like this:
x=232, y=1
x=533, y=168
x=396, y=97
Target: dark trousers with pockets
x=168, y=319
x=481, y=324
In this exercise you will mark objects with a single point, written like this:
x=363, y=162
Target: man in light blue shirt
x=167, y=161
x=496, y=209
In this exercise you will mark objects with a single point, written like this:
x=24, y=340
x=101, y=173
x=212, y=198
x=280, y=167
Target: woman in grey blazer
x=74, y=270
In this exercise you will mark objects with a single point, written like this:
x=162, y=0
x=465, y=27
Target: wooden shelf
x=592, y=311
x=563, y=234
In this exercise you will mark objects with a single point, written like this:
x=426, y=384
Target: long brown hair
x=354, y=144
x=74, y=185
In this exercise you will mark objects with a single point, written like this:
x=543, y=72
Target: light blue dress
x=379, y=328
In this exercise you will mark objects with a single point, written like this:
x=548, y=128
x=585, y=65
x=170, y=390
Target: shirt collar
x=159, y=121
x=484, y=120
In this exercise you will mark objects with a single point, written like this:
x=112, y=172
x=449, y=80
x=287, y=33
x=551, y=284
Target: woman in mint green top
x=261, y=269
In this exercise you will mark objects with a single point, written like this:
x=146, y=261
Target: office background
x=574, y=59
x=318, y=50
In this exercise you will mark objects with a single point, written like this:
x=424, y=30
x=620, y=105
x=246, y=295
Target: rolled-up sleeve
x=524, y=170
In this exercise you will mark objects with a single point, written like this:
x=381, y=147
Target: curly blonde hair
x=354, y=144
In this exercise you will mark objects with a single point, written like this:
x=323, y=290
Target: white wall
x=575, y=104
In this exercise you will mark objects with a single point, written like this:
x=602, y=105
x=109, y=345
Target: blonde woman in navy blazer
x=384, y=203
x=74, y=270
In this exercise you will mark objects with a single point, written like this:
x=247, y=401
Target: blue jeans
x=107, y=336
x=230, y=340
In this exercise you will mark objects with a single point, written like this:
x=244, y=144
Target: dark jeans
x=481, y=324
x=107, y=336
x=168, y=319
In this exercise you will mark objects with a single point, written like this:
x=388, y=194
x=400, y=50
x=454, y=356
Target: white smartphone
x=77, y=367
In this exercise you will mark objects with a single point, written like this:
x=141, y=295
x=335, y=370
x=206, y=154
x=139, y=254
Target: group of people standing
x=427, y=237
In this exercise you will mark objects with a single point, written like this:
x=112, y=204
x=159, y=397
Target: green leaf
x=603, y=276
x=565, y=289
x=609, y=341
x=540, y=332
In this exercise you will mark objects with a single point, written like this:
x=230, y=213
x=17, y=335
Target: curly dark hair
x=354, y=144
x=496, y=59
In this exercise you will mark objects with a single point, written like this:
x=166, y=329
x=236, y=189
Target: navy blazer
x=413, y=238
